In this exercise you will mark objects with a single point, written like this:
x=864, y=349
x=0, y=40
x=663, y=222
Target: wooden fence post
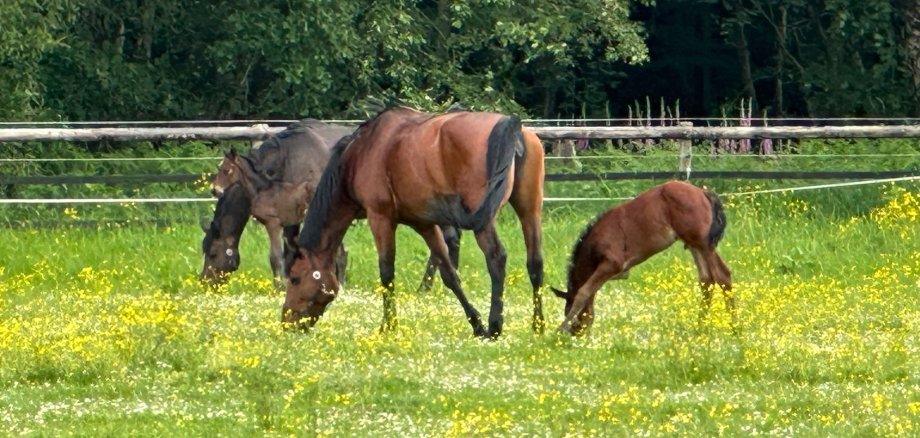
x=686, y=154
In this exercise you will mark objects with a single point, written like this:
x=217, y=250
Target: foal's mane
x=578, y=247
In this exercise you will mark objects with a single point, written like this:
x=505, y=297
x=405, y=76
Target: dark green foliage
x=190, y=59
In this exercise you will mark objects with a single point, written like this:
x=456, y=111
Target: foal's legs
x=713, y=271
x=604, y=271
x=496, y=260
x=439, y=252
x=722, y=276
x=705, y=278
x=275, y=257
x=384, y=231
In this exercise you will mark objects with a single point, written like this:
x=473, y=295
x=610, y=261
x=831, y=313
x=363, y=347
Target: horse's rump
x=450, y=169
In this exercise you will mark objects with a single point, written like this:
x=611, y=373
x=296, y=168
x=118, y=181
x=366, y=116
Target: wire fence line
x=129, y=201
x=547, y=158
x=262, y=131
x=569, y=121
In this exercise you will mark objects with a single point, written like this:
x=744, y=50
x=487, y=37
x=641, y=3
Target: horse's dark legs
x=533, y=236
x=580, y=309
x=452, y=237
x=439, y=251
x=384, y=231
x=496, y=260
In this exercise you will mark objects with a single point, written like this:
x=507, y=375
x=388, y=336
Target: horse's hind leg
x=440, y=254
x=713, y=271
x=533, y=236
x=496, y=260
x=722, y=276
x=452, y=237
x=384, y=231
x=705, y=279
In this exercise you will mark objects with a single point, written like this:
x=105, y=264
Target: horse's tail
x=719, y=222
x=505, y=140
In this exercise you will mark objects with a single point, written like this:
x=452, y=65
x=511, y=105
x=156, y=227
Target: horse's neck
x=337, y=224
x=233, y=213
x=251, y=180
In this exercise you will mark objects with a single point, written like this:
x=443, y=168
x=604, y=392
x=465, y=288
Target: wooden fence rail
x=258, y=132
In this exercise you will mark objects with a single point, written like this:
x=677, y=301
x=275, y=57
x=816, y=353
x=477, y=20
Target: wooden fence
x=684, y=132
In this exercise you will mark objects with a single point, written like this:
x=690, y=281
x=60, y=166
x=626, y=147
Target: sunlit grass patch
x=108, y=332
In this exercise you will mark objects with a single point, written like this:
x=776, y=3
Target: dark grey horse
x=297, y=156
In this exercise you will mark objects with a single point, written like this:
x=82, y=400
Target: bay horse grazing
x=408, y=167
x=527, y=202
x=632, y=232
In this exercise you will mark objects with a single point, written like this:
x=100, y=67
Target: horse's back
x=424, y=158
x=300, y=152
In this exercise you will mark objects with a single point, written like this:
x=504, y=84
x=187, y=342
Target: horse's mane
x=577, y=249
x=330, y=182
x=329, y=185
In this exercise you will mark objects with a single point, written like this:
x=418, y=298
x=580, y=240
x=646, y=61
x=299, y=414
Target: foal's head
x=585, y=319
x=311, y=285
x=228, y=173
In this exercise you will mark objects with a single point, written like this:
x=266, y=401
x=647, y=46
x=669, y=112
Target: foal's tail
x=505, y=140
x=717, y=229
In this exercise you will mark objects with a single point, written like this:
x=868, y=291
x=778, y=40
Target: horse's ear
x=559, y=293
x=232, y=154
x=205, y=225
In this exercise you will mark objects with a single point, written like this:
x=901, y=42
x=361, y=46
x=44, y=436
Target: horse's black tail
x=719, y=222
x=505, y=140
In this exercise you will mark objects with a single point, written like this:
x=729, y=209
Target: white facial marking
x=316, y=275
x=229, y=252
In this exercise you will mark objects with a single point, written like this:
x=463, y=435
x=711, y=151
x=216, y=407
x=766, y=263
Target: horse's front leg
x=384, y=230
x=581, y=314
x=440, y=254
x=496, y=260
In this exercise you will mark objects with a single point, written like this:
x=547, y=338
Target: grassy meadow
x=105, y=331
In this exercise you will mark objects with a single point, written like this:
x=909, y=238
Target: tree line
x=194, y=59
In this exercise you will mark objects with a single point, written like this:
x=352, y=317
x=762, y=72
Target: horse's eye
x=212, y=255
x=295, y=280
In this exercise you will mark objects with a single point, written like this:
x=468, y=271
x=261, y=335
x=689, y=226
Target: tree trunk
x=744, y=58
x=910, y=16
x=780, y=61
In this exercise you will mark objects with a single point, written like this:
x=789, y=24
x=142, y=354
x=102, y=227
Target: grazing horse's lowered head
x=632, y=232
x=222, y=235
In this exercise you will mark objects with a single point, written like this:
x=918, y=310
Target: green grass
x=105, y=332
